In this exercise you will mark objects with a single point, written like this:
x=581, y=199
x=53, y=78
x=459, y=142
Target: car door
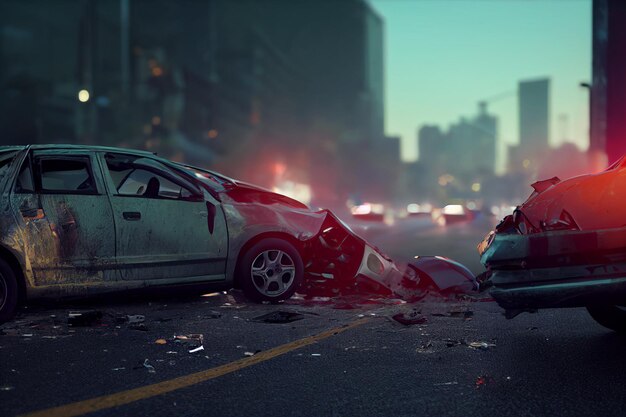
x=66, y=218
x=165, y=227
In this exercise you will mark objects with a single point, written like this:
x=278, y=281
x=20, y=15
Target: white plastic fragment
x=198, y=349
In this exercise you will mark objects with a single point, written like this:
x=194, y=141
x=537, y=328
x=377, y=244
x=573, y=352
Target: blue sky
x=443, y=56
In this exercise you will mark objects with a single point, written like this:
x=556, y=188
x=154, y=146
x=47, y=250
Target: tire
x=271, y=270
x=8, y=292
x=610, y=316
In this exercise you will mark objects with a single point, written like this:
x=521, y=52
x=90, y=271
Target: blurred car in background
x=368, y=212
x=452, y=214
x=565, y=246
x=419, y=210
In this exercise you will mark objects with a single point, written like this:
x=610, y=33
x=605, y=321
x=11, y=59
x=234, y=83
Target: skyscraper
x=534, y=115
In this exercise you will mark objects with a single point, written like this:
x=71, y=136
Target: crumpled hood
x=242, y=192
x=594, y=201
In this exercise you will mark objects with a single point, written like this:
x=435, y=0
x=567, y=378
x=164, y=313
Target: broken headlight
x=564, y=222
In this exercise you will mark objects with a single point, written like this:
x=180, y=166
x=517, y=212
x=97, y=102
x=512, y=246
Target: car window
x=144, y=183
x=72, y=175
x=129, y=180
x=24, y=183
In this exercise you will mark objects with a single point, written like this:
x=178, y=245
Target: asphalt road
x=553, y=363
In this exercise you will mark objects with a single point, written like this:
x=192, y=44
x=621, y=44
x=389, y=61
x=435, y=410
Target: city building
x=608, y=87
x=472, y=144
x=467, y=147
x=237, y=85
x=534, y=126
x=455, y=162
x=533, y=96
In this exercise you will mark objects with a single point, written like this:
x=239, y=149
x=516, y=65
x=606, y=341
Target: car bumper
x=574, y=292
x=556, y=269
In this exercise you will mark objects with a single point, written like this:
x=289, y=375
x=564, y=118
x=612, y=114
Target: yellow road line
x=126, y=397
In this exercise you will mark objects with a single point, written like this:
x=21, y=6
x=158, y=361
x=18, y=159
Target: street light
x=83, y=96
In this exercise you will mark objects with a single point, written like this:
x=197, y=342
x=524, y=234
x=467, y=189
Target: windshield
x=206, y=176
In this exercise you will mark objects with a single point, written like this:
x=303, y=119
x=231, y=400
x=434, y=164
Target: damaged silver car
x=82, y=220
x=565, y=246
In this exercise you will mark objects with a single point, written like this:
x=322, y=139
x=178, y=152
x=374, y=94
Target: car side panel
x=71, y=239
x=171, y=239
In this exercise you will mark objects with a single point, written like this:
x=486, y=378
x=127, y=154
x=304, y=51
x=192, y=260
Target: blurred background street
x=421, y=123
x=335, y=103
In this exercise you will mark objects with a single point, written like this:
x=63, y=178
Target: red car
x=565, y=246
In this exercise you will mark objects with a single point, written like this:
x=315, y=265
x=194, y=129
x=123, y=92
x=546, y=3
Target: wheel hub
x=273, y=272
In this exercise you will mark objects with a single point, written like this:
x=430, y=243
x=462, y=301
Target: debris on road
x=83, y=318
x=149, y=367
x=481, y=345
x=454, y=343
x=131, y=319
x=278, y=317
x=136, y=319
x=195, y=341
x=212, y=315
x=465, y=314
x=426, y=348
x=251, y=353
x=198, y=349
x=196, y=337
x=483, y=380
x=211, y=294
x=139, y=326
x=408, y=319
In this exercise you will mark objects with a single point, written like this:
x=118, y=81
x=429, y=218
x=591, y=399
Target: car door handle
x=131, y=215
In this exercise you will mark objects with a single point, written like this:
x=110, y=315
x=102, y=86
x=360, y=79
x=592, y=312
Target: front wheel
x=610, y=316
x=271, y=270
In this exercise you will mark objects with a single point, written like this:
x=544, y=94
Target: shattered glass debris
x=149, y=367
x=83, y=318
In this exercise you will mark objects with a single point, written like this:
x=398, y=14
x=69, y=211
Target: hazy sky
x=443, y=56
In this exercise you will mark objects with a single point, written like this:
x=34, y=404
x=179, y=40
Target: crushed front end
x=563, y=247
x=343, y=263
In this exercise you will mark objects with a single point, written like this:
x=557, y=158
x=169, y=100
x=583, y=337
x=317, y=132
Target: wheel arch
x=298, y=244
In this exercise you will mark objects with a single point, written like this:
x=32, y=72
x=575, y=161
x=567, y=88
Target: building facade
x=608, y=87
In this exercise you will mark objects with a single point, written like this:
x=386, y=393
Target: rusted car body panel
x=564, y=247
x=89, y=241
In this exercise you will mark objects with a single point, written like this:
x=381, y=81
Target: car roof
x=79, y=147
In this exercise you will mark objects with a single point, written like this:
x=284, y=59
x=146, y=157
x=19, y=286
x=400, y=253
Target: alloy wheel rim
x=273, y=272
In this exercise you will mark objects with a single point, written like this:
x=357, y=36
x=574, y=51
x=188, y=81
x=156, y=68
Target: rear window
x=66, y=175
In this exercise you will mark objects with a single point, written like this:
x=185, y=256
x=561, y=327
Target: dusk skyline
x=442, y=57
